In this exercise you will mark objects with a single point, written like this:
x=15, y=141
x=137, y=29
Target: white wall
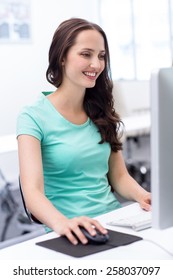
x=23, y=66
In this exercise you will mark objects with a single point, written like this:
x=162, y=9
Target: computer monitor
x=161, y=85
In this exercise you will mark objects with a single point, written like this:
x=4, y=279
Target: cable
x=160, y=246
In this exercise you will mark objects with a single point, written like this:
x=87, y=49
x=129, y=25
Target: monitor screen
x=161, y=85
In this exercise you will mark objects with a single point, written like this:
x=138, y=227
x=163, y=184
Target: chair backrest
x=31, y=217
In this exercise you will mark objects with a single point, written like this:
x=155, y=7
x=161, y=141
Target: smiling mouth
x=90, y=74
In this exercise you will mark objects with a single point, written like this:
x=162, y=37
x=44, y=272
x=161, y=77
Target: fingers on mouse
x=98, y=238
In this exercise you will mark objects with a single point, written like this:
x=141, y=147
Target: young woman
x=69, y=141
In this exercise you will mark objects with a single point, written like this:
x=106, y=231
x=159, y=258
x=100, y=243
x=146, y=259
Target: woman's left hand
x=145, y=201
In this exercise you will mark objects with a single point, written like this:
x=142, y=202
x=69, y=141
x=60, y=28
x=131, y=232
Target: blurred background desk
x=136, y=150
x=137, y=124
x=8, y=143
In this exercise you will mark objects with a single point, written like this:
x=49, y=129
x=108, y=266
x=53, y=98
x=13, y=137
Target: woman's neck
x=69, y=105
x=70, y=98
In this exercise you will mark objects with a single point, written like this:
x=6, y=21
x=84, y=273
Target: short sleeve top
x=75, y=165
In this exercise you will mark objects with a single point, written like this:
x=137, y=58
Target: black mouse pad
x=62, y=245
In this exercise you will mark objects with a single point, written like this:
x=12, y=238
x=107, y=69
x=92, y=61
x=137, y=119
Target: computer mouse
x=99, y=238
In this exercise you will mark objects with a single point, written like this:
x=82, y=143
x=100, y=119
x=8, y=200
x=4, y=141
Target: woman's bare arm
x=32, y=182
x=124, y=184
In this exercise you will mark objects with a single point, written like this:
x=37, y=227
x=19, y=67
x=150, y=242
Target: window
x=140, y=35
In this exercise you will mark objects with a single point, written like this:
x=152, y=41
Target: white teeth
x=90, y=74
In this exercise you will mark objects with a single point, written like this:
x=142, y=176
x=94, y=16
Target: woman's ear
x=63, y=62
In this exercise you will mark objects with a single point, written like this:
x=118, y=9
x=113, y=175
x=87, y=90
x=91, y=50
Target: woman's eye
x=86, y=54
x=102, y=57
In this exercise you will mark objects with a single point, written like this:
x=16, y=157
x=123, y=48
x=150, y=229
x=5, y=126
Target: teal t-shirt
x=75, y=165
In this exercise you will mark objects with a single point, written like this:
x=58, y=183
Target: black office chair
x=31, y=217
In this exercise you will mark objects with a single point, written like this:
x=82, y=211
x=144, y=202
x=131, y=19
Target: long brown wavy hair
x=98, y=101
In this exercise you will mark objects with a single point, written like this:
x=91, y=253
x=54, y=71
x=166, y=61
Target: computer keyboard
x=137, y=222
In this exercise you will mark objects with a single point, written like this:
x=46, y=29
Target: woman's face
x=85, y=60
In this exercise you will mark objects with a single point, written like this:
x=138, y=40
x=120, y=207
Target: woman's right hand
x=71, y=228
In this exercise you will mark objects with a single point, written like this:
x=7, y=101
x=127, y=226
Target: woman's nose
x=96, y=63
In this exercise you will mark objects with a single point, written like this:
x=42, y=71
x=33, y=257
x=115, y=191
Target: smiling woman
x=69, y=141
x=86, y=57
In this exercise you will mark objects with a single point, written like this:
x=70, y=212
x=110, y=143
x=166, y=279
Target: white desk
x=141, y=250
x=8, y=143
